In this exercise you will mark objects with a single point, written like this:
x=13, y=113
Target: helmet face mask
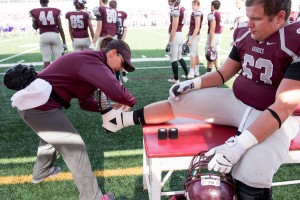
x=211, y=55
x=203, y=185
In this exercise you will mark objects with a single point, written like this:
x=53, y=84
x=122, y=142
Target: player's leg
x=201, y=104
x=45, y=48
x=193, y=57
x=255, y=170
x=66, y=140
x=173, y=58
x=178, y=39
x=56, y=45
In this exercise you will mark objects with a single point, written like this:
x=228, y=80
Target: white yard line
x=132, y=60
x=24, y=52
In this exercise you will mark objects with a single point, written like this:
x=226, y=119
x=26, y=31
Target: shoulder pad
x=211, y=17
x=197, y=13
x=175, y=12
x=240, y=33
x=288, y=35
x=96, y=11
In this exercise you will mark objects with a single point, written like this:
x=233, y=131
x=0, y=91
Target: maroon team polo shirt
x=78, y=75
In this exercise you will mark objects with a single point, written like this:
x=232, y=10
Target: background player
x=215, y=28
x=106, y=18
x=174, y=47
x=194, y=38
x=122, y=31
x=261, y=102
x=79, y=23
x=48, y=21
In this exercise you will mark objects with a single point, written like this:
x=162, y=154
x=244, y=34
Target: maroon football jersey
x=122, y=17
x=194, y=14
x=178, y=12
x=46, y=18
x=219, y=24
x=264, y=64
x=109, y=21
x=79, y=22
x=78, y=75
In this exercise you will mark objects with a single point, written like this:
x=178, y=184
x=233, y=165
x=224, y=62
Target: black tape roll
x=173, y=133
x=162, y=133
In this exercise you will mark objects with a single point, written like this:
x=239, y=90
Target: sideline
x=67, y=176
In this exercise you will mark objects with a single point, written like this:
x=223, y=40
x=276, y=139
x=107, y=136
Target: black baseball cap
x=123, y=49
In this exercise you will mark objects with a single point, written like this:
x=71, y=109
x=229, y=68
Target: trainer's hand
x=226, y=155
x=184, y=87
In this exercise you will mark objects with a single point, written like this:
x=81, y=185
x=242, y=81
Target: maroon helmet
x=211, y=55
x=200, y=185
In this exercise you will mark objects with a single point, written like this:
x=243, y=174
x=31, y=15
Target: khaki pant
x=57, y=134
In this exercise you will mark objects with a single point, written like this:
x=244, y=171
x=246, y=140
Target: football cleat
x=112, y=120
x=108, y=196
x=173, y=80
x=55, y=171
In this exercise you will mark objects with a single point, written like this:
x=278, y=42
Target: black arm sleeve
x=293, y=71
x=234, y=54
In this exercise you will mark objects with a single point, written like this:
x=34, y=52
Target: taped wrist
x=246, y=139
x=197, y=82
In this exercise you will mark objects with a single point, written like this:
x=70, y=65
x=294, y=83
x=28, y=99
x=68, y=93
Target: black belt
x=59, y=100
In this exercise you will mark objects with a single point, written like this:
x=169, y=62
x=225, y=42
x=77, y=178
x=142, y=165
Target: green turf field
x=120, y=153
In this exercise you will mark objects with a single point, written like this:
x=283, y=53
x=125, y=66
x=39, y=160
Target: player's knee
x=246, y=192
x=251, y=172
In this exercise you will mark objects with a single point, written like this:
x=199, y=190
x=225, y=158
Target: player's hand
x=168, y=47
x=123, y=107
x=92, y=47
x=184, y=87
x=226, y=155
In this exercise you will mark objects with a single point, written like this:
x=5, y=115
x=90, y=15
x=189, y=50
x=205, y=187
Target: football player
x=79, y=23
x=215, y=28
x=48, y=21
x=194, y=38
x=106, y=18
x=122, y=31
x=174, y=46
x=260, y=104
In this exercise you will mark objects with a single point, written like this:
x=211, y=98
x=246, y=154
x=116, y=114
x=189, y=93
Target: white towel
x=34, y=95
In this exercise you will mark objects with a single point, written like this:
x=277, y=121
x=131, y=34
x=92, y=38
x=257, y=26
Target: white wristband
x=246, y=139
x=197, y=82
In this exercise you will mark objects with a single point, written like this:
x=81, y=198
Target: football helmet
x=201, y=185
x=79, y=4
x=185, y=49
x=211, y=55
